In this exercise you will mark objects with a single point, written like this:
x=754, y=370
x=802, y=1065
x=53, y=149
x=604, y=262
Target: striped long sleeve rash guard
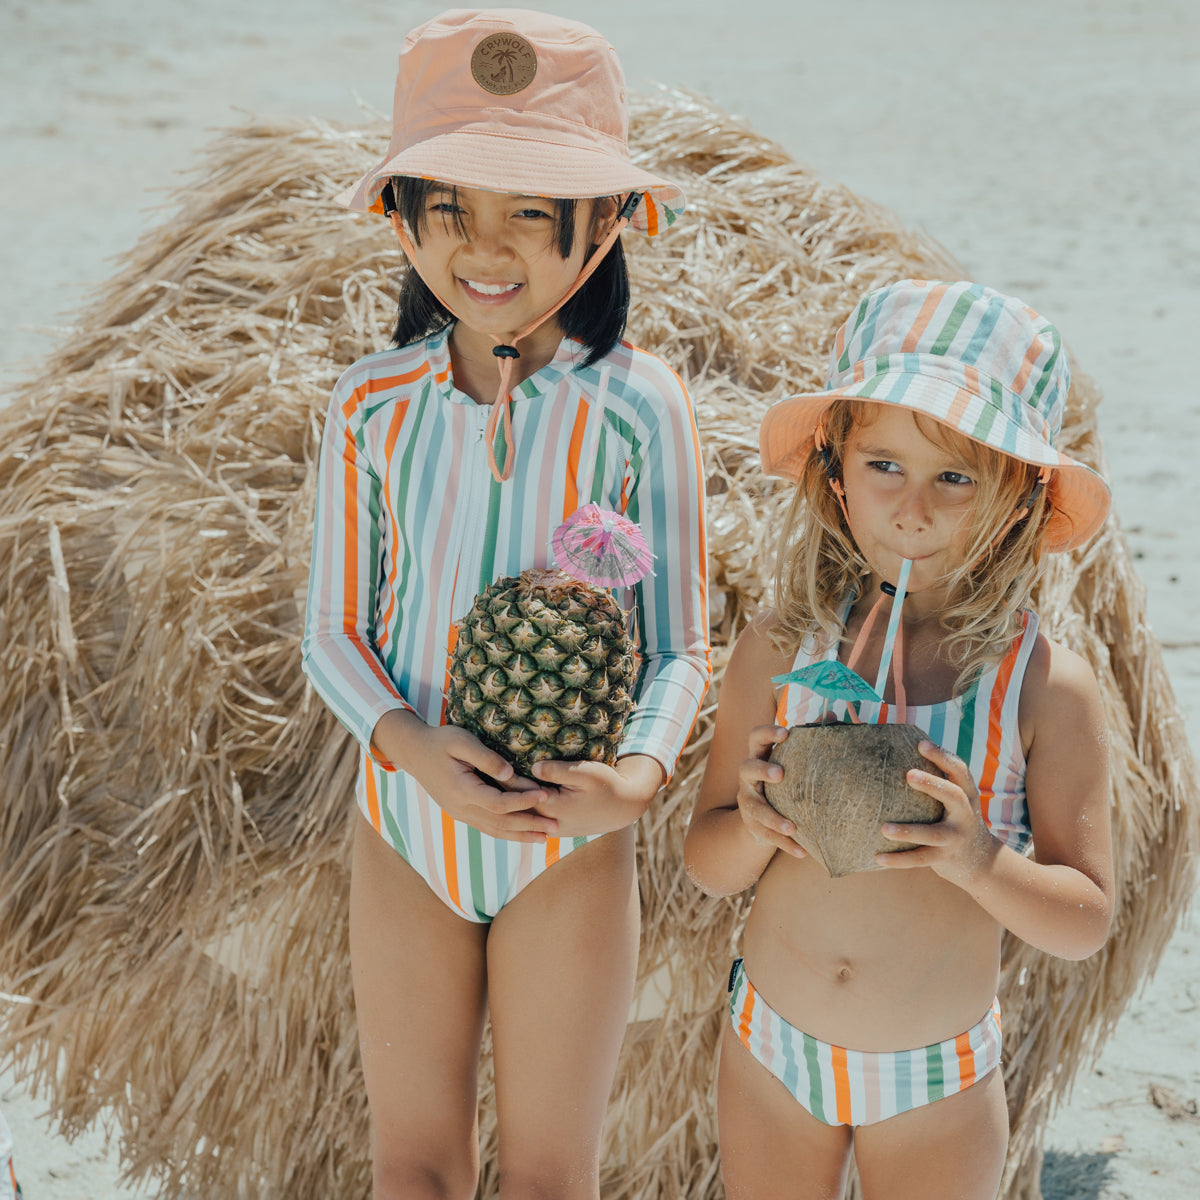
x=410, y=525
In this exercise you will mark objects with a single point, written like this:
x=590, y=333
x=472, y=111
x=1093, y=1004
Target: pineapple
x=543, y=668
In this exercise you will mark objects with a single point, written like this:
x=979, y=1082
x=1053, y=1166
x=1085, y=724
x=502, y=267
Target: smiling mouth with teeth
x=491, y=289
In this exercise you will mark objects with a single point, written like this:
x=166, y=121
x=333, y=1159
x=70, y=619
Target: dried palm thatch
x=175, y=801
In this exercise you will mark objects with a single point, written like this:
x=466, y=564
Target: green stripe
x=395, y=833
x=1048, y=369
x=935, y=1081
x=475, y=865
x=858, y=316
x=953, y=324
x=987, y=418
x=816, y=1093
x=404, y=572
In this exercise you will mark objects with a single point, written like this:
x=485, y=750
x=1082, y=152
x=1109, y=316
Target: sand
x=1051, y=147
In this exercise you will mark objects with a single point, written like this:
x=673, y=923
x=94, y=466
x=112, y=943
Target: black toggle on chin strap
x=630, y=206
x=888, y=589
x=503, y=351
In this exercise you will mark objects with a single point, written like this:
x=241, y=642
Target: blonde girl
x=508, y=401
x=863, y=1011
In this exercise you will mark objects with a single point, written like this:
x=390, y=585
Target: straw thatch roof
x=176, y=802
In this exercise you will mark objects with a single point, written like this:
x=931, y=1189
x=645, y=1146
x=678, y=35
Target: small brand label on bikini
x=504, y=64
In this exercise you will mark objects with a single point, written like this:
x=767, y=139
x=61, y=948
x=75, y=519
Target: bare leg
x=561, y=963
x=772, y=1148
x=953, y=1149
x=420, y=995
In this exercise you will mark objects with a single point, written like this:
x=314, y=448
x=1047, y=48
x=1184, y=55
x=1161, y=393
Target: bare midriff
x=898, y=959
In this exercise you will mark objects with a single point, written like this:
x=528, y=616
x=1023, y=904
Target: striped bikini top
x=980, y=726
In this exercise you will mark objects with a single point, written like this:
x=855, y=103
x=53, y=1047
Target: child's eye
x=957, y=478
x=884, y=466
x=534, y=214
x=447, y=208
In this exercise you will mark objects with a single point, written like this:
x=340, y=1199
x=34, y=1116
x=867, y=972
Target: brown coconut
x=841, y=782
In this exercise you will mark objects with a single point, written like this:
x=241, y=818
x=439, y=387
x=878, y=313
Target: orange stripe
x=991, y=762
x=451, y=642
x=350, y=503
x=450, y=859
x=958, y=406
x=781, y=708
x=551, y=851
x=923, y=319
x=1031, y=356
x=350, y=597
x=372, y=797
x=389, y=446
x=571, y=494
x=841, y=1084
x=651, y=213
x=746, y=1016
x=385, y=382
x=966, y=1061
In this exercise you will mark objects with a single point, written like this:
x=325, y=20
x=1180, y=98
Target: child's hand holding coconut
x=765, y=824
x=960, y=846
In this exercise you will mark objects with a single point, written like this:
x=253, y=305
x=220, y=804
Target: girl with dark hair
x=509, y=403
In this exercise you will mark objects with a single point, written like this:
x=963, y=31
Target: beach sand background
x=1053, y=148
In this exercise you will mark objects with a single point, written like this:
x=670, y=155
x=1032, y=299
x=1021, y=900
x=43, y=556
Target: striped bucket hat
x=979, y=361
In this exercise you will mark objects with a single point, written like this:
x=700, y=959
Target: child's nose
x=915, y=510
x=490, y=238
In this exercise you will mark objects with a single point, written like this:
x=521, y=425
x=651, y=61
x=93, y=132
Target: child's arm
x=1059, y=901
x=666, y=498
x=734, y=832
x=341, y=658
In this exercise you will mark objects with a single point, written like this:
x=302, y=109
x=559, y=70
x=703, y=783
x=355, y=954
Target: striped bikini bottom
x=859, y=1087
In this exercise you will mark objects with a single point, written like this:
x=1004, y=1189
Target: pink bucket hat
x=974, y=359
x=507, y=100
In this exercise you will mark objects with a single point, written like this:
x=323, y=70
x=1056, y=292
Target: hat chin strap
x=1023, y=509
x=504, y=351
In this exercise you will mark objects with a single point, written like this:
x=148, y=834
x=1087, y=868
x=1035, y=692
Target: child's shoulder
x=640, y=375
x=1057, y=680
x=393, y=366
x=755, y=660
x=760, y=646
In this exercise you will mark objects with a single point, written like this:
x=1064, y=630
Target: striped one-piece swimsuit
x=410, y=526
x=842, y=1086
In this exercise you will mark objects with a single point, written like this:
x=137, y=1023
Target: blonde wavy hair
x=819, y=565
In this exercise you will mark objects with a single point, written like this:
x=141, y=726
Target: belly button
x=845, y=973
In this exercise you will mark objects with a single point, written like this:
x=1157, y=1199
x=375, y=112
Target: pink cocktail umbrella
x=601, y=547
